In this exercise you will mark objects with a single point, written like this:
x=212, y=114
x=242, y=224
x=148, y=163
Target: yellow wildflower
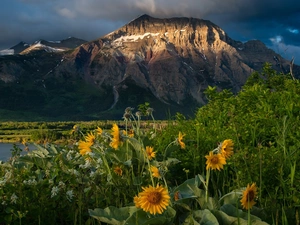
x=153, y=199
x=116, y=137
x=227, y=148
x=180, y=142
x=155, y=172
x=99, y=131
x=118, y=170
x=215, y=161
x=150, y=153
x=249, y=196
x=84, y=147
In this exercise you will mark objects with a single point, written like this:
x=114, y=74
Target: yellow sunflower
x=227, y=148
x=215, y=161
x=118, y=170
x=153, y=199
x=90, y=138
x=136, y=201
x=116, y=137
x=75, y=129
x=84, y=147
x=155, y=172
x=23, y=141
x=177, y=196
x=150, y=152
x=249, y=196
x=99, y=131
x=131, y=133
x=180, y=142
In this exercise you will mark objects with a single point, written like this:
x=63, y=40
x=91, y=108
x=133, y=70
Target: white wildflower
x=69, y=155
x=91, y=154
x=30, y=182
x=99, y=161
x=54, y=191
x=86, y=165
x=92, y=174
x=74, y=172
x=13, y=199
x=2, y=182
x=3, y=203
x=7, y=175
x=70, y=195
x=61, y=185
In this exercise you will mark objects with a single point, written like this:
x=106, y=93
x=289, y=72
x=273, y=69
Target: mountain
x=48, y=46
x=166, y=62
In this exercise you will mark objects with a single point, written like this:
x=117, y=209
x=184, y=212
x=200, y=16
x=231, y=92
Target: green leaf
x=171, y=161
x=231, y=197
x=142, y=218
x=140, y=154
x=190, y=220
x=225, y=219
x=113, y=215
x=205, y=217
x=235, y=212
x=189, y=189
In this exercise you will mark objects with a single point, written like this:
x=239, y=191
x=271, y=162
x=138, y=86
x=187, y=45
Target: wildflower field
x=235, y=162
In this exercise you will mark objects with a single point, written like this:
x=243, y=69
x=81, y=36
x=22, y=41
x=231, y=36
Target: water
x=5, y=150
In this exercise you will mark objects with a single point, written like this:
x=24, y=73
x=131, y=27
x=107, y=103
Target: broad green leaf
x=235, y=212
x=205, y=217
x=232, y=220
x=142, y=218
x=225, y=219
x=190, y=220
x=231, y=197
x=113, y=215
x=171, y=161
x=140, y=154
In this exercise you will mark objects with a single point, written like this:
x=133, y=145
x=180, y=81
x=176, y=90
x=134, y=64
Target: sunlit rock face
x=173, y=60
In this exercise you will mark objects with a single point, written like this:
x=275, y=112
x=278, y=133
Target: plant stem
x=206, y=185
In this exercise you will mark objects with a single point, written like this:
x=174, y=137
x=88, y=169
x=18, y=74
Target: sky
x=274, y=22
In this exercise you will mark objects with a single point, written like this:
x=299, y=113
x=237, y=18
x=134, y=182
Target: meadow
x=235, y=162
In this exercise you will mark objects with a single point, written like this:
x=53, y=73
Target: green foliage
x=42, y=135
x=263, y=121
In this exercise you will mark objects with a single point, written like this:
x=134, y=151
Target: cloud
x=67, y=13
x=287, y=51
x=294, y=31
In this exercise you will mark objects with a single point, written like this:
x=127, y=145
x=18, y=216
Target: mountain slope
x=167, y=62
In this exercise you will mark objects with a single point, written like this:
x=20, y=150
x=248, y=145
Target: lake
x=5, y=150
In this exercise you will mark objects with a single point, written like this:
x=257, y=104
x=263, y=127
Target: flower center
x=251, y=195
x=215, y=160
x=154, y=197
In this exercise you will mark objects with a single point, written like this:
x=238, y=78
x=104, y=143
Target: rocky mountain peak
x=175, y=58
x=168, y=62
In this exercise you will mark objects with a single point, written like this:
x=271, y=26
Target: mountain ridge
x=167, y=62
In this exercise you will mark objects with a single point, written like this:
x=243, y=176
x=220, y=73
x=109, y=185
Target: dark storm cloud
x=29, y=20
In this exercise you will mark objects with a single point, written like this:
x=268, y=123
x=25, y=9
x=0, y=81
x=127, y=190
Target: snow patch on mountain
x=39, y=46
x=7, y=52
x=133, y=38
